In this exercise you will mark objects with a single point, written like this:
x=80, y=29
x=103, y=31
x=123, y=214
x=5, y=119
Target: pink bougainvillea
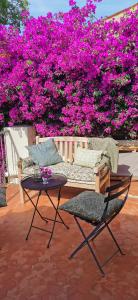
x=71, y=75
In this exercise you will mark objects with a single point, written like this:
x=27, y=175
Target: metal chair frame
x=104, y=223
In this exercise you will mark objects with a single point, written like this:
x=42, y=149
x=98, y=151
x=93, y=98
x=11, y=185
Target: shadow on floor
x=28, y=270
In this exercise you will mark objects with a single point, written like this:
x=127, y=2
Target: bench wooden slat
x=81, y=144
x=75, y=146
x=70, y=151
x=66, y=151
x=61, y=149
x=86, y=145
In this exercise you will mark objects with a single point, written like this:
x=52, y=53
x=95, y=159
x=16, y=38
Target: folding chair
x=98, y=210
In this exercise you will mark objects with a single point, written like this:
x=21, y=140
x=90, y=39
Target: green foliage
x=10, y=11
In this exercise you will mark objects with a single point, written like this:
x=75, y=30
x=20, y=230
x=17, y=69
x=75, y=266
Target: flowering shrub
x=68, y=75
x=45, y=172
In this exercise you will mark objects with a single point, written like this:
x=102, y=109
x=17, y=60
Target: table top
x=55, y=181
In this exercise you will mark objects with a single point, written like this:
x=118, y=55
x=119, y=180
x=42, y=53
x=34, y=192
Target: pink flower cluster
x=71, y=75
x=45, y=172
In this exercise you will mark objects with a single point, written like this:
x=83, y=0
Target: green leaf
x=29, y=62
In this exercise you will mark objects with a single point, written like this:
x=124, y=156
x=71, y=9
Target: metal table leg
x=46, y=219
x=56, y=214
x=35, y=210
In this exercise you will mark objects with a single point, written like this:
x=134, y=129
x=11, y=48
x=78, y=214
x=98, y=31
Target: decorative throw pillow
x=3, y=197
x=45, y=154
x=87, y=158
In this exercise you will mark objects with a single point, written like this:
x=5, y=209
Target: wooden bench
x=67, y=147
x=127, y=145
x=128, y=148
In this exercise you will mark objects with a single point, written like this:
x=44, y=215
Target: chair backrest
x=121, y=188
x=66, y=145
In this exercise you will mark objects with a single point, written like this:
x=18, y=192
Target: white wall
x=16, y=140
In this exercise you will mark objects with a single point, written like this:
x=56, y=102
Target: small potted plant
x=46, y=173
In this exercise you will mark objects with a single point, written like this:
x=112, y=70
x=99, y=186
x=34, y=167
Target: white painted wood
x=16, y=139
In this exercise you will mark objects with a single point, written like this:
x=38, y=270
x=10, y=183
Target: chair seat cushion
x=73, y=173
x=90, y=206
x=3, y=197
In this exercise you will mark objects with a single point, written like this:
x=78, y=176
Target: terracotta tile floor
x=30, y=271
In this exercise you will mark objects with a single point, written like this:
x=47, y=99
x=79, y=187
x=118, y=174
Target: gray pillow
x=3, y=197
x=44, y=154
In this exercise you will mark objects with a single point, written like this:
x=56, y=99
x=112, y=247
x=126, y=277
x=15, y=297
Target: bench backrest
x=66, y=145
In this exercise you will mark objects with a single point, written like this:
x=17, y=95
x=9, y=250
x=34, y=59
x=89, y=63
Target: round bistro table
x=54, y=182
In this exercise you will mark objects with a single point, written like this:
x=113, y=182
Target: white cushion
x=86, y=157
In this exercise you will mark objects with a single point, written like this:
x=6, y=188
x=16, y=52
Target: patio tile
x=30, y=271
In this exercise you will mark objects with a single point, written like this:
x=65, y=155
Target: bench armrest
x=24, y=163
x=100, y=166
x=102, y=176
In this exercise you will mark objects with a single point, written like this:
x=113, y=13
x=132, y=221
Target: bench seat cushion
x=74, y=173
